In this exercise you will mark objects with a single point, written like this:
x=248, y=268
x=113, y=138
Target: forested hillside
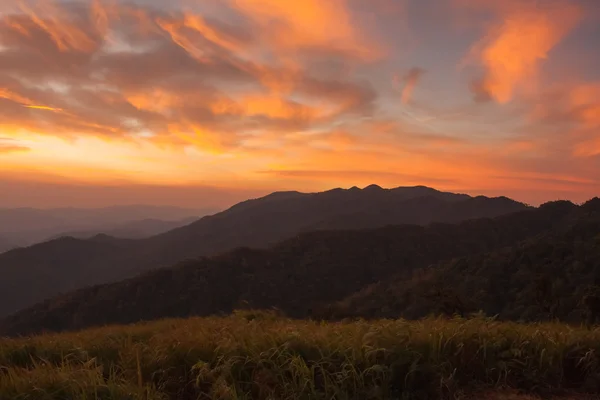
x=555, y=275
x=67, y=264
x=305, y=275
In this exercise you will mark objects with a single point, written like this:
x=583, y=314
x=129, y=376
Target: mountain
x=132, y=230
x=70, y=263
x=21, y=227
x=301, y=276
x=554, y=275
x=265, y=221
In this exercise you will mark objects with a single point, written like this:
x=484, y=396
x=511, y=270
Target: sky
x=209, y=102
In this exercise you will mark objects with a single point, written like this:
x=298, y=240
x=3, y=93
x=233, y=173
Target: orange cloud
x=273, y=107
x=9, y=145
x=12, y=149
x=585, y=103
x=205, y=140
x=9, y=95
x=193, y=34
x=24, y=101
x=409, y=80
x=513, y=49
x=66, y=35
x=47, y=108
x=295, y=25
x=585, y=100
x=575, y=108
x=588, y=148
x=155, y=100
x=109, y=89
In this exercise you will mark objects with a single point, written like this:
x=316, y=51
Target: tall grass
x=259, y=356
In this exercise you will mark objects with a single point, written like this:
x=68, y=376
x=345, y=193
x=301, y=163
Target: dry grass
x=514, y=395
x=259, y=356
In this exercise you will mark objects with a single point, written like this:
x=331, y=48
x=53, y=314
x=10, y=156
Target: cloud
x=588, y=148
x=8, y=145
x=480, y=90
x=4, y=148
x=515, y=46
x=409, y=80
x=115, y=69
x=573, y=109
x=309, y=24
x=584, y=100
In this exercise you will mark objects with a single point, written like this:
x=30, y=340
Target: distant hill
x=132, y=230
x=22, y=219
x=21, y=227
x=302, y=276
x=68, y=263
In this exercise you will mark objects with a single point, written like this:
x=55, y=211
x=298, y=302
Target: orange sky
x=204, y=102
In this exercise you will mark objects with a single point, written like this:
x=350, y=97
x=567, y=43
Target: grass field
x=260, y=356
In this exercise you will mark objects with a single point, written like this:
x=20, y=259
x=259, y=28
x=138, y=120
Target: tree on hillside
x=546, y=295
x=591, y=302
x=448, y=301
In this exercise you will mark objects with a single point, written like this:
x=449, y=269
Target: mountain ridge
x=254, y=223
x=301, y=275
x=547, y=276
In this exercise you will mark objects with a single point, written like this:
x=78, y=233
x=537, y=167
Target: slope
x=301, y=276
x=256, y=355
x=554, y=275
x=254, y=223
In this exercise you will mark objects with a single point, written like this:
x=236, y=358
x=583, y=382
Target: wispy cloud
x=514, y=47
x=408, y=82
x=6, y=148
x=8, y=145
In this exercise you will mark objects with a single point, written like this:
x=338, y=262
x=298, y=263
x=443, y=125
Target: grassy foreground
x=259, y=356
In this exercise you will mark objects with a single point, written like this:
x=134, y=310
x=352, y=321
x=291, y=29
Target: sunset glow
x=253, y=96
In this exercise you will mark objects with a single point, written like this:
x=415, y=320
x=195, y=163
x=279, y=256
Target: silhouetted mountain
x=254, y=223
x=301, y=276
x=265, y=221
x=20, y=227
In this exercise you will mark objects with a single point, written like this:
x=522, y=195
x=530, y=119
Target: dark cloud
x=354, y=97
x=479, y=91
x=414, y=74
